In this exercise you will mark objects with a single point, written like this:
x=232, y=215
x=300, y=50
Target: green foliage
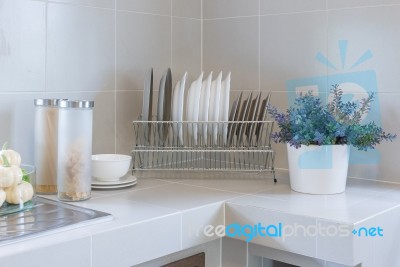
x=309, y=122
x=25, y=176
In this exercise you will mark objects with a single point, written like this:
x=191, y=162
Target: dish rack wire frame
x=205, y=146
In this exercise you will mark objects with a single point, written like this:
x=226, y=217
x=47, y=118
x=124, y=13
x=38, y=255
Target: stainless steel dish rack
x=210, y=146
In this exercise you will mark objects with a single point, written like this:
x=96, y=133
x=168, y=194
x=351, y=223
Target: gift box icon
x=355, y=86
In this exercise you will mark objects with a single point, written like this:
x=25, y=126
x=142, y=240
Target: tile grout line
x=201, y=36
x=45, y=48
x=144, y=13
x=220, y=251
x=377, y=214
x=171, y=33
x=376, y=181
x=361, y=7
x=128, y=191
x=291, y=213
x=211, y=188
x=183, y=18
x=77, y=5
x=267, y=15
x=91, y=250
x=247, y=254
x=115, y=77
x=181, y=230
x=316, y=239
x=327, y=44
x=259, y=45
x=119, y=10
x=224, y=212
x=160, y=217
x=235, y=17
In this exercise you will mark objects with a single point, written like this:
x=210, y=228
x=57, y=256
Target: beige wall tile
x=186, y=8
x=229, y=8
x=161, y=7
x=288, y=6
x=232, y=45
x=129, y=106
x=367, y=29
x=17, y=115
x=143, y=41
x=80, y=48
x=22, y=46
x=92, y=3
x=359, y=3
x=289, y=44
x=186, y=48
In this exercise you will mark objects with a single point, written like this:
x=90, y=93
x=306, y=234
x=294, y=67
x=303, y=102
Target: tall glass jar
x=75, y=120
x=45, y=145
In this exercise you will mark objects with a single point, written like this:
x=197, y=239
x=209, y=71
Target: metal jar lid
x=47, y=102
x=84, y=104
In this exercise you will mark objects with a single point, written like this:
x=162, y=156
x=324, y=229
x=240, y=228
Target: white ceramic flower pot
x=318, y=169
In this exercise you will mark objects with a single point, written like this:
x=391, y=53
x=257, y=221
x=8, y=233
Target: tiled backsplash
x=101, y=49
x=90, y=49
x=266, y=43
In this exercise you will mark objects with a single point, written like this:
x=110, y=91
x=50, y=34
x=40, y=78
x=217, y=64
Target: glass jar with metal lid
x=45, y=145
x=75, y=122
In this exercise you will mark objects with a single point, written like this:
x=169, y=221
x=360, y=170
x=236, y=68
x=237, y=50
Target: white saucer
x=128, y=178
x=114, y=186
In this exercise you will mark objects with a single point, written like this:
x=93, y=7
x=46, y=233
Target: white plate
x=128, y=178
x=180, y=107
x=213, y=113
x=189, y=106
x=175, y=112
x=204, y=106
x=224, y=107
x=113, y=186
x=196, y=105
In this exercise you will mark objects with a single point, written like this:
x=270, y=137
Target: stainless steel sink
x=45, y=217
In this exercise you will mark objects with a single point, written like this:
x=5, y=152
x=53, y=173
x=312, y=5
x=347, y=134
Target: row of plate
x=207, y=101
x=208, y=110
x=252, y=110
x=125, y=181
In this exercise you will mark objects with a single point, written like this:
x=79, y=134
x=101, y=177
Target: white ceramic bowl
x=110, y=167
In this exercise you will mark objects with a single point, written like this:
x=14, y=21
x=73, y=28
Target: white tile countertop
x=162, y=216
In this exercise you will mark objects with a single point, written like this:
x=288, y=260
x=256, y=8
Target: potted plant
x=318, y=138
